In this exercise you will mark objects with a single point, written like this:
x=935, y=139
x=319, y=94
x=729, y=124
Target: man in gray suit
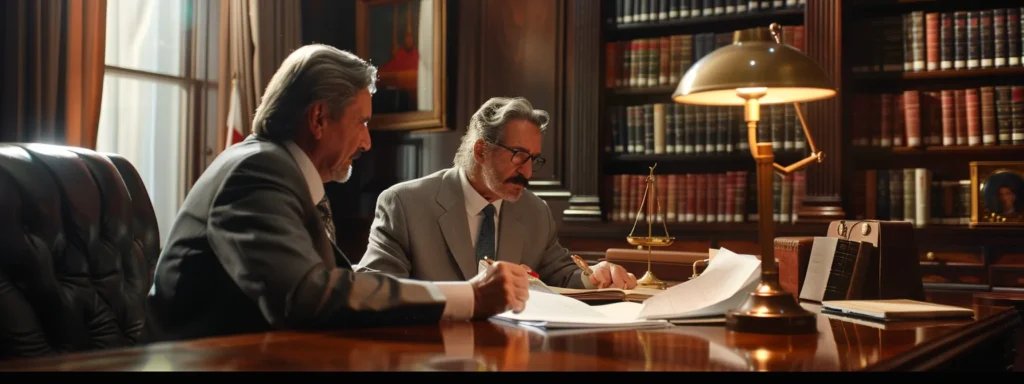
x=250, y=252
x=439, y=227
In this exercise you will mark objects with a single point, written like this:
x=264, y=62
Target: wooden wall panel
x=521, y=54
x=823, y=200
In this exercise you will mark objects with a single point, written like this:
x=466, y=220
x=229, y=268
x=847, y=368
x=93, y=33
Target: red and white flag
x=234, y=123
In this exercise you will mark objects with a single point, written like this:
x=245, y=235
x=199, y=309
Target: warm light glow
x=762, y=354
x=752, y=90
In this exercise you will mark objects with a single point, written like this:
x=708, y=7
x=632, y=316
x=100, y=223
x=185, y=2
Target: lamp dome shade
x=786, y=74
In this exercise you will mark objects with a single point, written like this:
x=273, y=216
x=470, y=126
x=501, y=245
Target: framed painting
x=405, y=39
x=997, y=193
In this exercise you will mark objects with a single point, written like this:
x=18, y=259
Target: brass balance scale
x=649, y=280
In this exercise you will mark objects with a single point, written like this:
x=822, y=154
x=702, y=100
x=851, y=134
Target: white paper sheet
x=723, y=285
x=557, y=311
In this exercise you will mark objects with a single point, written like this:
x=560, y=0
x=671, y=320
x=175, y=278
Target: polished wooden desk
x=983, y=343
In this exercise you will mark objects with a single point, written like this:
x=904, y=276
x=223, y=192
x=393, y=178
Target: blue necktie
x=485, y=239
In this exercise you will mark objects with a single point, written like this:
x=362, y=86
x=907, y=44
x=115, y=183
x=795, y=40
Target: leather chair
x=78, y=245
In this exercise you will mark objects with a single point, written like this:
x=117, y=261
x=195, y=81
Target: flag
x=234, y=123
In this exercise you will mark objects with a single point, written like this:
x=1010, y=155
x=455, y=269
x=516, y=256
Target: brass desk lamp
x=758, y=69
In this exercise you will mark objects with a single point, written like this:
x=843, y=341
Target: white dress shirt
x=458, y=294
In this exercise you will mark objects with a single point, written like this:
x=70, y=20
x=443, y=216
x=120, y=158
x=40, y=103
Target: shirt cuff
x=459, y=300
x=586, y=281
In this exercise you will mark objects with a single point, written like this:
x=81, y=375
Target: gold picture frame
x=411, y=67
x=997, y=193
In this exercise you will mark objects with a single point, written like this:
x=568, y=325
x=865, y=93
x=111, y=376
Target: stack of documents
x=724, y=285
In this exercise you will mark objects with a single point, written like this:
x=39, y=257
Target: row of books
x=982, y=116
x=643, y=11
x=940, y=41
x=729, y=197
x=662, y=61
x=913, y=195
x=686, y=129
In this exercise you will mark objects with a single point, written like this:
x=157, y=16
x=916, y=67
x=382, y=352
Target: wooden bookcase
x=836, y=35
x=944, y=99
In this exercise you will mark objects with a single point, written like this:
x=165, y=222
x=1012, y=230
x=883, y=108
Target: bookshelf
x=848, y=41
x=929, y=88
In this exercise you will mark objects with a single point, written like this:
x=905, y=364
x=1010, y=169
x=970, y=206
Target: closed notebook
x=894, y=309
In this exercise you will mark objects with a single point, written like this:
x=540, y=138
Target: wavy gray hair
x=488, y=124
x=314, y=72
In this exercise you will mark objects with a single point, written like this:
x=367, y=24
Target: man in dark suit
x=250, y=251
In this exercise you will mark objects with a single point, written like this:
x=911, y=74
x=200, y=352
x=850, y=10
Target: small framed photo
x=997, y=193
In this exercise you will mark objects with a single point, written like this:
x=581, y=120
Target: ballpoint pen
x=583, y=265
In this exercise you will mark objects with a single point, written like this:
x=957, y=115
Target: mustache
x=518, y=179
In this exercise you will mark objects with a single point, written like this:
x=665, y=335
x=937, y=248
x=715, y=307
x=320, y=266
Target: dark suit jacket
x=248, y=253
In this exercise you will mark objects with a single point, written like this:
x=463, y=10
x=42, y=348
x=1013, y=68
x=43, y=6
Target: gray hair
x=488, y=124
x=312, y=73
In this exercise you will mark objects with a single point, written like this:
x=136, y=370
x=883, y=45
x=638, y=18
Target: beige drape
x=256, y=35
x=87, y=25
x=52, y=80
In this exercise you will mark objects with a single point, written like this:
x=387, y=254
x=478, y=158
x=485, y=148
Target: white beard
x=341, y=175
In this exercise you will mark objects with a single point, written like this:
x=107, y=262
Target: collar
x=313, y=181
x=474, y=201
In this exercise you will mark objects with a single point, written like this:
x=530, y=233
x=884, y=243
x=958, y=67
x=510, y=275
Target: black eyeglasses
x=520, y=157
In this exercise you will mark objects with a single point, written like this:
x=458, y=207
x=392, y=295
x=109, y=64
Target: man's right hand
x=503, y=287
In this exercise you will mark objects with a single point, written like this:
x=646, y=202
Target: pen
x=530, y=272
x=583, y=265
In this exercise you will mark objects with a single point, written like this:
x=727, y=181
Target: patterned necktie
x=485, y=239
x=325, y=215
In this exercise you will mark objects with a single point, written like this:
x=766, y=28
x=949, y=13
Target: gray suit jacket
x=248, y=253
x=420, y=230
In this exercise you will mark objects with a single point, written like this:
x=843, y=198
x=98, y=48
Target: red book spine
x=691, y=198
x=912, y=117
x=948, y=118
x=740, y=185
x=885, y=139
x=730, y=196
x=988, y=116
x=973, y=117
x=722, y=197
x=701, y=200
x=875, y=113
x=712, y=198
x=899, y=121
x=960, y=106
x=932, y=40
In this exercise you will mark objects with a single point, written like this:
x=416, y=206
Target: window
x=160, y=93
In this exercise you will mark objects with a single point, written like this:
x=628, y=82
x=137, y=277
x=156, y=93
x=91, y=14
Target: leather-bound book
x=792, y=254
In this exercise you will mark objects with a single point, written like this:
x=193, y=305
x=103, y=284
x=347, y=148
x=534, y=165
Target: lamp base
x=651, y=281
x=770, y=310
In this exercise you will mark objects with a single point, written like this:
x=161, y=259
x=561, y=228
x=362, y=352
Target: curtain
x=255, y=38
x=86, y=32
x=52, y=79
x=33, y=89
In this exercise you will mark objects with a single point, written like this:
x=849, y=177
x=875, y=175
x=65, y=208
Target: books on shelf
x=921, y=41
x=911, y=194
x=647, y=11
x=981, y=116
x=723, y=285
x=729, y=197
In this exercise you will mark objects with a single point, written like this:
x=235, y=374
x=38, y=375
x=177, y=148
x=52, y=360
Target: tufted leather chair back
x=78, y=244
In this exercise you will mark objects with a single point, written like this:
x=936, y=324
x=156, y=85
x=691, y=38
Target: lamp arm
x=814, y=156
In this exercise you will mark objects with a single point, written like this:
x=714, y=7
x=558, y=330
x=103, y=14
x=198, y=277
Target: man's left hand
x=608, y=275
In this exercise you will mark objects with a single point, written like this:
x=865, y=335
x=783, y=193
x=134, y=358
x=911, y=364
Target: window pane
x=147, y=35
x=207, y=40
x=212, y=131
x=142, y=121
